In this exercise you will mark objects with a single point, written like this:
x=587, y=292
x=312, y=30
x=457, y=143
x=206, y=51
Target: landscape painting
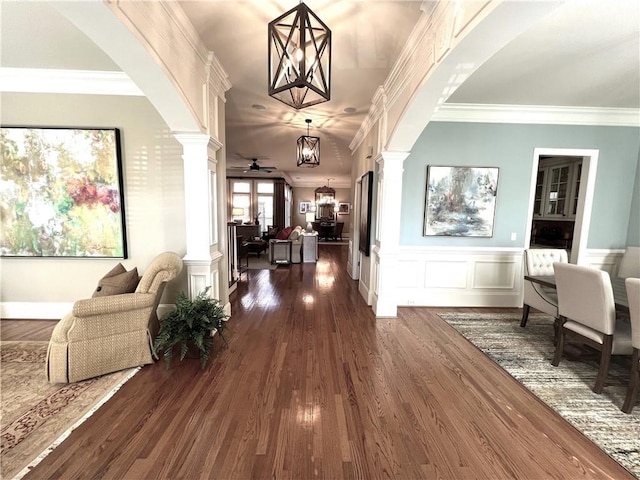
x=460, y=201
x=61, y=193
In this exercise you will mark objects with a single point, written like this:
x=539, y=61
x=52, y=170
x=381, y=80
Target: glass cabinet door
x=574, y=208
x=558, y=190
x=538, y=203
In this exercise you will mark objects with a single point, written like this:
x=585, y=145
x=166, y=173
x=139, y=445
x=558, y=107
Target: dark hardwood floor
x=311, y=385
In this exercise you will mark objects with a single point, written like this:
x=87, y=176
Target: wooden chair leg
x=525, y=315
x=559, y=347
x=605, y=360
x=634, y=382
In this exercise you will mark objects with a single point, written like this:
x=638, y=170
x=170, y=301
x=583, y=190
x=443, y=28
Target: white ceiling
x=585, y=54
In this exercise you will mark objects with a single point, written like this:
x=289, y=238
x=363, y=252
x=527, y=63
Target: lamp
x=237, y=212
x=308, y=149
x=310, y=217
x=299, y=58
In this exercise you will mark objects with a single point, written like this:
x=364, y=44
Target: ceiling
x=584, y=54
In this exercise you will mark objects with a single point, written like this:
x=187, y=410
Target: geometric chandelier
x=308, y=149
x=299, y=58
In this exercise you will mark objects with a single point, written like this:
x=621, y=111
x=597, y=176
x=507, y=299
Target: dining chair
x=630, y=263
x=587, y=312
x=539, y=262
x=633, y=295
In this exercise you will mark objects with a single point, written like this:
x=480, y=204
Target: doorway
x=561, y=198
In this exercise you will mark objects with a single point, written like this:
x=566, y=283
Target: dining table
x=617, y=284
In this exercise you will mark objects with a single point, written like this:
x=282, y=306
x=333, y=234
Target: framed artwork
x=61, y=193
x=344, y=208
x=366, y=198
x=460, y=201
x=304, y=207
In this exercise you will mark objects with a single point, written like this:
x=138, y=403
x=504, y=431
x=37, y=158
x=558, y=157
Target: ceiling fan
x=254, y=166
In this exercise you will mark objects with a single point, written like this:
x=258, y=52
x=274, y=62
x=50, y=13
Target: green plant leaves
x=191, y=322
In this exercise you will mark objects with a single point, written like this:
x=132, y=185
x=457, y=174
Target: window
x=241, y=198
x=255, y=197
x=265, y=202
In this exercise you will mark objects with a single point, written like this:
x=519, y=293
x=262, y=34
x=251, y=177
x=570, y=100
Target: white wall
x=154, y=200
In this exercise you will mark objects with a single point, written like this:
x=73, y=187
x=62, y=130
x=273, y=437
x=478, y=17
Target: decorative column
x=200, y=187
x=386, y=250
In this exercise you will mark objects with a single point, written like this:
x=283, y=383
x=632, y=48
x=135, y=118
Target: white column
x=201, y=258
x=384, y=267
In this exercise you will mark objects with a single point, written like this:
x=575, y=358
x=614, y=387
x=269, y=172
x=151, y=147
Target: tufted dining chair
x=587, y=311
x=633, y=295
x=110, y=333
x=539, y=262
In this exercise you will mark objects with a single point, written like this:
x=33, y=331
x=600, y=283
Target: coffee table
x=257, y=246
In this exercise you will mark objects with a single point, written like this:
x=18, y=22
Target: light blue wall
x=633, y=237
x=510, y=147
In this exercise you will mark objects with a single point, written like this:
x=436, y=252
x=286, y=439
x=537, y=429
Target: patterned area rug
x=526, y=354
x=36, y=415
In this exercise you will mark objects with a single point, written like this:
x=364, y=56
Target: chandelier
x=299, y=58
x=308, y=149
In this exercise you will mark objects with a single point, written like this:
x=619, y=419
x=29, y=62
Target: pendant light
x=308, y=149
x=299, y=58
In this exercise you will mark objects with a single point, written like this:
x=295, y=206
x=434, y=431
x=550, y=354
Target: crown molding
x=537, y=114
x=47, y=80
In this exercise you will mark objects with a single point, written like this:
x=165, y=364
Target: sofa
x=287, y=246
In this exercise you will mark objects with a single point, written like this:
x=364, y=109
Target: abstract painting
x=61, y=193
x=460, y=201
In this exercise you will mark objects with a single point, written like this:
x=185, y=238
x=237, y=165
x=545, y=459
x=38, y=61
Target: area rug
x=526, y=354
x=36, y=415
x=260, y=263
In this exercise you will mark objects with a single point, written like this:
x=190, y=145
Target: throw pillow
x=295, y=233
x=284, y=233
x=117, y=281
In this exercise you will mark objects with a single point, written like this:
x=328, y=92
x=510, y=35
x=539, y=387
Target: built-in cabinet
x=557, y=188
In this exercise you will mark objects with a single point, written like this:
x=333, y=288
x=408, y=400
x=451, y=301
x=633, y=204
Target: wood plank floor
x=313, y=386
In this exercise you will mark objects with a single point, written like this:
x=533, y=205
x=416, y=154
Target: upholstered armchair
x=539, y=262
x=105, y=334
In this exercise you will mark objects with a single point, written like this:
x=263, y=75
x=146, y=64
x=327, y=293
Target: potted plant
x=189, y=326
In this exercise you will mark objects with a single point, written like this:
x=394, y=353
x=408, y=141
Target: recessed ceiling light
x=350, y=110
x=257, y=106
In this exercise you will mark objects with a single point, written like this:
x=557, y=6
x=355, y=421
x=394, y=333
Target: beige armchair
x=110, y=333
x=539, y=262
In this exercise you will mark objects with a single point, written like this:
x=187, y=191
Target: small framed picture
x=304, y=207
x=344, y=208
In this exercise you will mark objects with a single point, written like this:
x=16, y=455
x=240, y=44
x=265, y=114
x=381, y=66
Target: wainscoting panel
x=493, y=274
x=607, y=260
x=445, y=274
x=473, y=277
x=460, y=277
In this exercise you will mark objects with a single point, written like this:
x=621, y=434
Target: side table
x=310, y=247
